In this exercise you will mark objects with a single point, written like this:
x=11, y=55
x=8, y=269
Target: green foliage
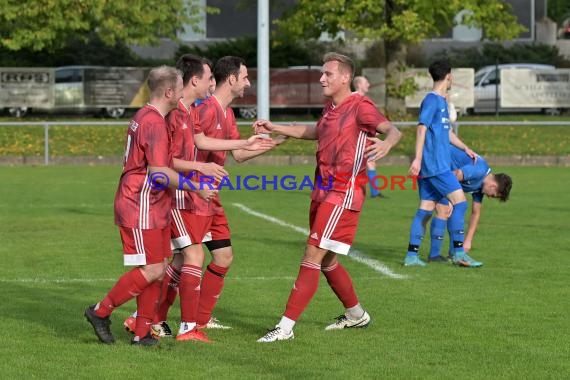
x=47, y=25
x=245, y=48
x=66, y=141
x=283, y=54
x=402, y=21
x=89, y=50
x=491, y=53
x=398, y=86
x=558, y=10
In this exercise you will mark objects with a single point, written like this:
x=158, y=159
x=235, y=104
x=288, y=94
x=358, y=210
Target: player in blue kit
x=475, y=178
x=433, y=163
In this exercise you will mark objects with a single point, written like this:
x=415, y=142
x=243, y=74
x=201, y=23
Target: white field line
x=353, y=254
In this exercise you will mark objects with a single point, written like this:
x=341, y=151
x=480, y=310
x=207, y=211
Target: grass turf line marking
x=353, y=254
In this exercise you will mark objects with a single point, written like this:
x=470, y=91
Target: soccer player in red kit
x=190, y=223
x=142, y=209
x=216, y=119
x=348, y=122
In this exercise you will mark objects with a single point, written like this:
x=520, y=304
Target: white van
x=487, y=89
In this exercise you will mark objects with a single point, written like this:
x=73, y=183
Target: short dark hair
x=504, y=184
x=439, y=69
x=345, y=62
x=191, y=65
x=227, y=66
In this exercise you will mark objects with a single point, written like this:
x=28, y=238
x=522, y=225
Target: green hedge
x=109, y=141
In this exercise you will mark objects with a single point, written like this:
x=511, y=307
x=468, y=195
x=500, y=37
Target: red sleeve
x=368, y=117
x=196, y=125
x=234, y=132
x=155, y=142
x=204, y=119
x=175, y=120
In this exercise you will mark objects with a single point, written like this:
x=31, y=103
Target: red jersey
x=182, y=130
x=137, y=205
x=341, y=136
x=217, y=123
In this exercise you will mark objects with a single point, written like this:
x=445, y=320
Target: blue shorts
x=437, y=187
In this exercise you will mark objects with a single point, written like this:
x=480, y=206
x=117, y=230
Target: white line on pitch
x=353, y=254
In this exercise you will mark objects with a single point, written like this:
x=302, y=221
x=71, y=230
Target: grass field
x=507, y=320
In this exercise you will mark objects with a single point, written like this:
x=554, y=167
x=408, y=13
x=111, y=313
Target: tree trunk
x=396, y=58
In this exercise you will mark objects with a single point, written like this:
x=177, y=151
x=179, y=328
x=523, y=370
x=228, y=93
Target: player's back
x=474, y=171
x=137, y=204
x=434, y=115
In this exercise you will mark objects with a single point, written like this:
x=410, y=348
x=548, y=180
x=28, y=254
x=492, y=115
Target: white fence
x=47, y=124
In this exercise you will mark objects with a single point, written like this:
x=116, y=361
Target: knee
x=314, y=254
x=153, y=272
x=193, y=255
x=442, y=211
x=223, y=257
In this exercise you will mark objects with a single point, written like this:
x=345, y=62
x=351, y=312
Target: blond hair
x=161, y=78
x=345, y=63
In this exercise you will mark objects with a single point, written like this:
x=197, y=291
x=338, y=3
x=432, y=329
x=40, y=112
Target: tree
x=397, y=23
x=558, y=10
x=47, y=25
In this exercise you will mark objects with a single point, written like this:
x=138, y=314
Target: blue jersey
x=434, y=115
x=473, y=172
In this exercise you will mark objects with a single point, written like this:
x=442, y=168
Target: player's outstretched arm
x=473, y=223
x=204, y=142
x=167, y=177
x=208, y=168
x=305, y=132
x=241, y=155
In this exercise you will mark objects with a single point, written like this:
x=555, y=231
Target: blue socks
x=417, y=231
x=371, y=174
x=437, y=230
x=456, y=226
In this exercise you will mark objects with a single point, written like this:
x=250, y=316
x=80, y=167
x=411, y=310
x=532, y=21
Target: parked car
x=487, y=89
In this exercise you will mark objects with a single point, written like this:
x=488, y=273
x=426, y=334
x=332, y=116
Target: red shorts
x=332, y=227
x=143, y=247
x=187, y=228
x=219, y=230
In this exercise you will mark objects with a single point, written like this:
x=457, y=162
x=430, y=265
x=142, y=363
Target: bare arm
x=381, y=148
x=207, y=168
x=241, y=155
x=204, y=142
x=473, y=223
x=420, y=141
x=305, y=132
x=454, y=140
x=161, y=177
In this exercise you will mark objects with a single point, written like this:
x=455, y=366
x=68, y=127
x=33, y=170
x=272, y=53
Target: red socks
x=189, y=292
x=147, y=302
x=212, y=285
x=303, y=290
x=341, y=284
x=130, y=285
x=168, y=293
